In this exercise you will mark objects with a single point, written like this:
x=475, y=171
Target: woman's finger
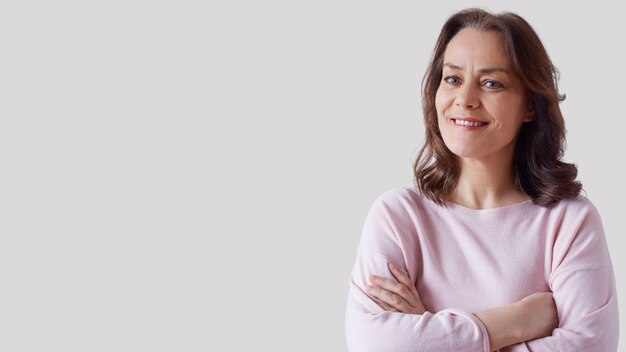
x=403, y=277
x=397, y=288
x=390, y=298
x=388, y=307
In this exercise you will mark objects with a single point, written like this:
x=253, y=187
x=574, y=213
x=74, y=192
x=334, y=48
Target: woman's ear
x=530, y=115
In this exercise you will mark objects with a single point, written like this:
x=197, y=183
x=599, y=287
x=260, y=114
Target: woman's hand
x=399, y=295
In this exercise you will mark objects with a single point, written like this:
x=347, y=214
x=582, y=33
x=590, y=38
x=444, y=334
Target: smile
x=465, y=123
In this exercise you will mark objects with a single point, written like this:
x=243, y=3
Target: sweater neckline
x=463, y=209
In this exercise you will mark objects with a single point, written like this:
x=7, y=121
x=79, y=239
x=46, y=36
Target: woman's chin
x=467, y=153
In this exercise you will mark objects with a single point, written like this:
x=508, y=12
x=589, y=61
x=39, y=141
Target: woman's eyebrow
x=482, y=70
x=493, y=70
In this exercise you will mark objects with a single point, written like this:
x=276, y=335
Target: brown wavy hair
x=539, y=171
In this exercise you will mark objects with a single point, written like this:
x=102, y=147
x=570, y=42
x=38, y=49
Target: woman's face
x=480, y=102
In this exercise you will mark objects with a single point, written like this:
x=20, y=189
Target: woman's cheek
x=438, y=97
x=442, y=101
x=441, y=105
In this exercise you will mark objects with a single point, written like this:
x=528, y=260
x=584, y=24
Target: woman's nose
x=467, y=97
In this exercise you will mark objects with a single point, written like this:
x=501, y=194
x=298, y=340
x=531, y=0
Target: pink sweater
x=466, y=260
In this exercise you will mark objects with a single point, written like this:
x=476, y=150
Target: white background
x=194, y=176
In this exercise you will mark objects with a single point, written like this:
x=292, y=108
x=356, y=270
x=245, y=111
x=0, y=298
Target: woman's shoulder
x=401, y=201
x=400, y=196
x=576, y=212
x=578, y=204
x=392, y=221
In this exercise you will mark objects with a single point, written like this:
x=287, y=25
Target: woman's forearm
x=533, y=317
x=503, y=325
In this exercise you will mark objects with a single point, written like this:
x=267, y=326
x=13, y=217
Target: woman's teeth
x=469, y=123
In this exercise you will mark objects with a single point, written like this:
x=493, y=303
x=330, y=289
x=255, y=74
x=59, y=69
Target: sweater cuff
x=482, y=330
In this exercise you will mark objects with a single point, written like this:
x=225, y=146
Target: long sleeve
x=385, y=237
x=583, y=286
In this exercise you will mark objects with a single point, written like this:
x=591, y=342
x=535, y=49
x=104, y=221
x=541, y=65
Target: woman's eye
x=493, y=84
x=452, y=80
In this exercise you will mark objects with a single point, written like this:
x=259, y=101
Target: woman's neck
x=484, y=185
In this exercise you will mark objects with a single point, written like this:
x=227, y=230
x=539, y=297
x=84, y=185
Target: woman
x=494, y=248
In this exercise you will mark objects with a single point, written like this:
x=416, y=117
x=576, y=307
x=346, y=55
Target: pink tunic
x=466, y=260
